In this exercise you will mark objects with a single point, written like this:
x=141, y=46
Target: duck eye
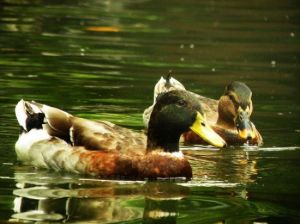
x=203, y=124
x=231, y=97
x=181, y=103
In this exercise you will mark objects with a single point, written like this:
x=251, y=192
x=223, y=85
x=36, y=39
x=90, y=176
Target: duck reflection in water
x=233, y=165
x=48, y=196
x=108, y=202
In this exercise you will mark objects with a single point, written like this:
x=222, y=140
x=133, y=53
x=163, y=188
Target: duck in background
x=53, y=139
x=229, y=116
x=162, y=86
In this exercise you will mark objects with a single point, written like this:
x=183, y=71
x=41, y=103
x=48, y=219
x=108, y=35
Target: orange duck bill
x=201, y=128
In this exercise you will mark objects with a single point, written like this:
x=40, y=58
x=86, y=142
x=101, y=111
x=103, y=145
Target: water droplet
x=192, y=46
x=181, y=46
x=182, y=59
x=32, y=76
x=273, y=63
x=292, y=34
x=9, y=74
x=213, y=69
x=20, y=185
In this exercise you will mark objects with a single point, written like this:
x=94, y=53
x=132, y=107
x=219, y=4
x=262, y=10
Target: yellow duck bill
x=201, y=128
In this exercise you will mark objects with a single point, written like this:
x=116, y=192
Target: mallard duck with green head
x=54, y=139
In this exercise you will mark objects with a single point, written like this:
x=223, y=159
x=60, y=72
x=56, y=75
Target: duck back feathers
x=93, y=135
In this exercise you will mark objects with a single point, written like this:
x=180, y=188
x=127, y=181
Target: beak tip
x=224, y=145
x=246, y=134
x=207, y=133
x=220, y=143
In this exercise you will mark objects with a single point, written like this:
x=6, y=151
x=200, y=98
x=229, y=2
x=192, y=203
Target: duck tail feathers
x=165, y=85
x=29, y=116
x=32, y=115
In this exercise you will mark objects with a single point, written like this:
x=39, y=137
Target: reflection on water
x=114, y=201
x=224, y=181
x=88, y=199
x=228, y=166
x=108, y=202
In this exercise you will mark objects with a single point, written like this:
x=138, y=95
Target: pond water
x=100, y=60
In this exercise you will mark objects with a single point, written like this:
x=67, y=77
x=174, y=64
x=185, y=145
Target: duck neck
x=162, y=139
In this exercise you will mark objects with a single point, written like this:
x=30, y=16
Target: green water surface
x=100, y=59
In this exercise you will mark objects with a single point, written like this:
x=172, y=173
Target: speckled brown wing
x=103, y=135
x=93, y=135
